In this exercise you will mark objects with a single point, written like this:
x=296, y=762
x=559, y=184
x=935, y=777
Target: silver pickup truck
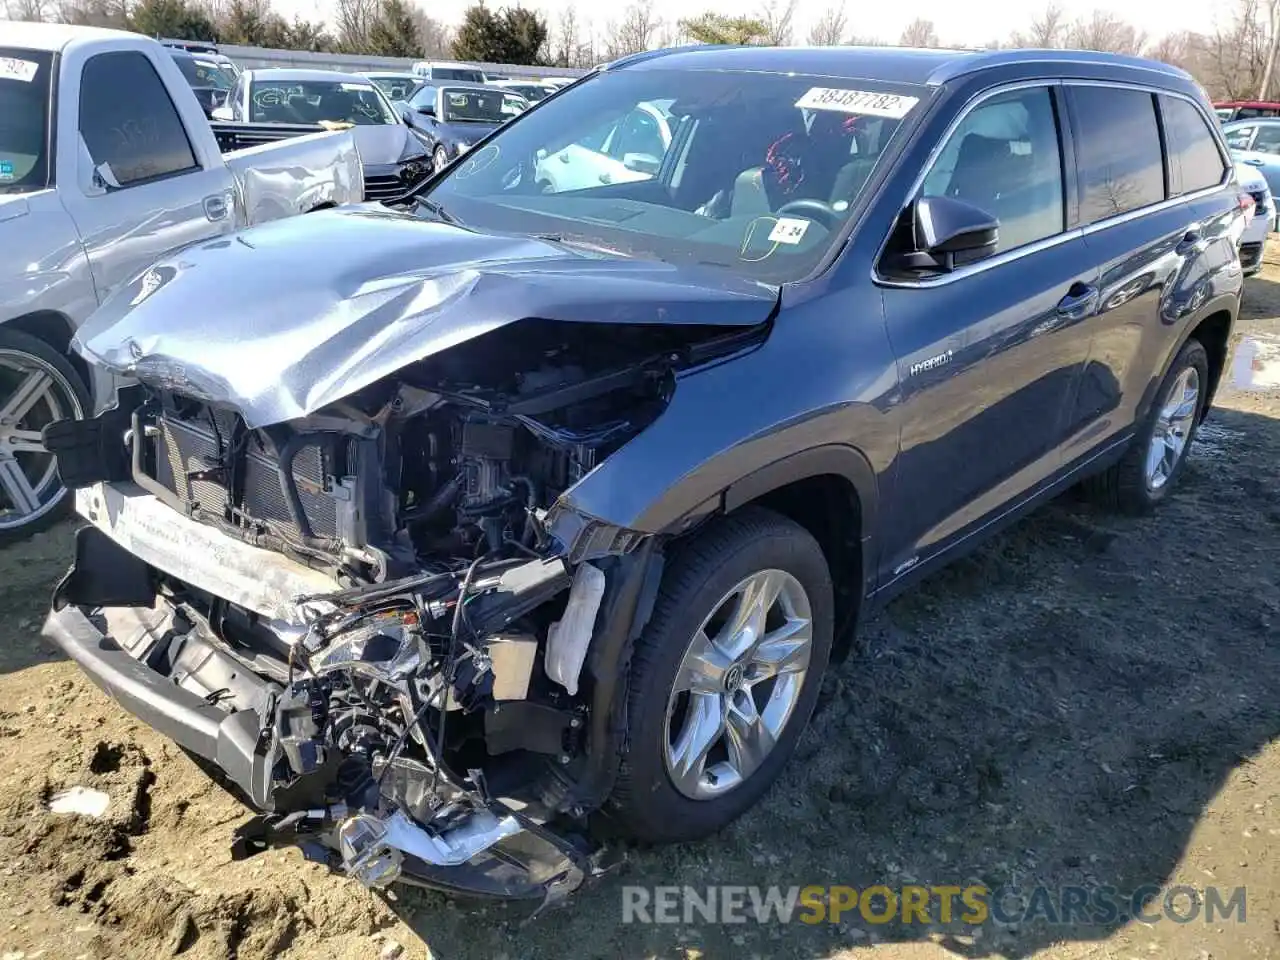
x=106, y=163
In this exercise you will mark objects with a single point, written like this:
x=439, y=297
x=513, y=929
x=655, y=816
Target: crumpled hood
x=284, y=318
x=382, y=143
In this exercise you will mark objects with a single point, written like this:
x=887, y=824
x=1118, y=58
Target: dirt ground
x=1088, y=700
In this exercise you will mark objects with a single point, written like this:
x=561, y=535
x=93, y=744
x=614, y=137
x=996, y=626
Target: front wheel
x=724, y=676
x=439, y=159
x=37, y=387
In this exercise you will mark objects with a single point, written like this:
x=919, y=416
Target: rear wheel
x=724, y=677
x=1154, y=461
x=37, y=387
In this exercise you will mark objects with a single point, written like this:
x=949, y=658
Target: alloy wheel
x=32, y=394
x=1172, y=429
x=738, y=684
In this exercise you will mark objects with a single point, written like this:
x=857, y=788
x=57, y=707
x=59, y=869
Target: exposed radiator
x=187, y=448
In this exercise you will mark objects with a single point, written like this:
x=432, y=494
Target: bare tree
x=1273, y=9
x=828, y=30
x=93, y=13
x=636, y=31
x=436, y=38
x=777, y=15
x=919, y=33
x=32, y=10
x=354, y=20
x=1048, y=30
x=1106, y=32
x=866, y=41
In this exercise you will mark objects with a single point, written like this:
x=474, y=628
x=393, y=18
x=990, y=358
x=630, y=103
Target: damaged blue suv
x=465, y=534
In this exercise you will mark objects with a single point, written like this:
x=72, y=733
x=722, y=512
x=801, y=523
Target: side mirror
x=427, y=110
x=221, y=113
x=949, y=233
x=642, y=163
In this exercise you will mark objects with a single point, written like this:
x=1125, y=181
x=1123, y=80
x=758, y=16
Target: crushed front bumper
x=229, y=740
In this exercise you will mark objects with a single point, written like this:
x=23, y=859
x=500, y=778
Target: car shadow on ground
x=1056, y=710
x=28, y=572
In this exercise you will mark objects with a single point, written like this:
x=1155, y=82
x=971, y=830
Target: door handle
x=1080, y=301
x=1189, y=240
x=1254, y=161
x=216, y=207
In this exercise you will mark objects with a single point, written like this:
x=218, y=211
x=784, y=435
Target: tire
x=439, y=158
x=1129, y=486
x=46, y=501
x=647, y=804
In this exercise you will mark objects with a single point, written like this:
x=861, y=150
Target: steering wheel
x=817, y=210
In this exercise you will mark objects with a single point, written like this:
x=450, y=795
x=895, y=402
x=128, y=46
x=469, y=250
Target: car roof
x=892, y=64
x=1251, y=122
x=287, y=75
x=390, y=74
x=56, y=36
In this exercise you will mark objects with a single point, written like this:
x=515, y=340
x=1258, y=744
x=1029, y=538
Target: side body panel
x=124, y=230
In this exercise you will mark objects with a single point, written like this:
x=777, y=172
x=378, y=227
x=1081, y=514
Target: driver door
x=988, y=354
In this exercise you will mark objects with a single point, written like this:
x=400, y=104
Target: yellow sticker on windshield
x=862, y=102
x=11, y=68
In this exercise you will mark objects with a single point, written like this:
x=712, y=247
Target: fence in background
x=260, y=57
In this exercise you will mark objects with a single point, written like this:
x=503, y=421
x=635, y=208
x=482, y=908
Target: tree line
x=1234, y=61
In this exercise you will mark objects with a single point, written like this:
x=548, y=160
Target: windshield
x=532, y=92
x=753, y=172
x=316, y=101
x=397, y=88
x=206, y=73
x=461, y=74
x=480, y=106
x=24, y=119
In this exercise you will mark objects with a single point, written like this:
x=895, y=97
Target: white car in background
x=1260, y=209
x=621, y=151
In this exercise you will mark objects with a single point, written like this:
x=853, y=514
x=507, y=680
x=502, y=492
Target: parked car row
x=525, y=511
x=106, y=163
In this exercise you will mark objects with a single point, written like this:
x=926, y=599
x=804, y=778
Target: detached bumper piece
x=372, y=814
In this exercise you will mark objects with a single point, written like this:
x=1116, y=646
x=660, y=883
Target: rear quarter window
x=1194, y=159
x=1118, y=153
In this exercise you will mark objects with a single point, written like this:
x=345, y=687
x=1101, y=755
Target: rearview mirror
x=948, y=233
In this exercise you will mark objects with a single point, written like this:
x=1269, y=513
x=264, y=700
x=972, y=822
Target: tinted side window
x=128, y=121
x=1120, y=161
x=1268, y=139
x=1193, y=152
x=1005, y=158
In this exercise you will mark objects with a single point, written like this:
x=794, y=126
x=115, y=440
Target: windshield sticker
x=6, y=169
x=12, y=68
x=861, y=102
x=788, y=230
x=458, y=99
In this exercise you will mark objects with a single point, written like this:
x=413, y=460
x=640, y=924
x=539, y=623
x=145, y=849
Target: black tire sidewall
x=20, y=342
x=656, y=811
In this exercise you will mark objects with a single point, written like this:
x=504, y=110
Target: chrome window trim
x=1074, y=233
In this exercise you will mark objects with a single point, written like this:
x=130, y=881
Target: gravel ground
x=1087, y=700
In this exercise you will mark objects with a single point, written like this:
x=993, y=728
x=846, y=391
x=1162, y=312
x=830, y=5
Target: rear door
x=1149, y=233
x=988, y=355
x=139, y=188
